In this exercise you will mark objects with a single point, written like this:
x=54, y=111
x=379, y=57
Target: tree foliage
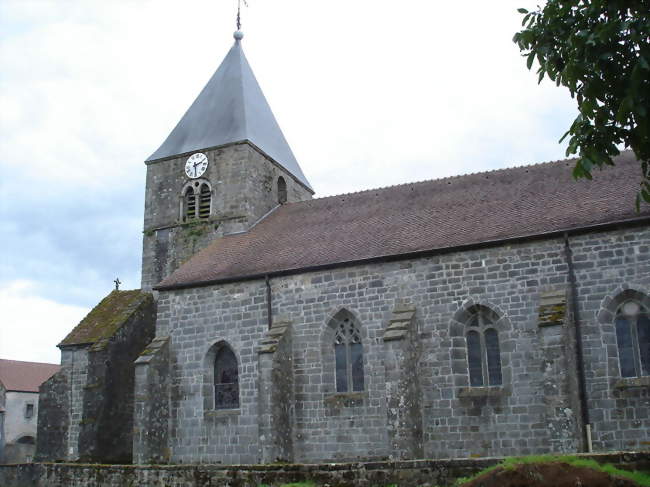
x=599, y=50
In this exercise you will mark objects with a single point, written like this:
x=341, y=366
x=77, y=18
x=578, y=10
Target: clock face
x=196, y=165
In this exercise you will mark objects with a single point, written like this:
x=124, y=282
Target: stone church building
x=496, y=313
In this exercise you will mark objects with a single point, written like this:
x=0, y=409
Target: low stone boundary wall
x=368, y=474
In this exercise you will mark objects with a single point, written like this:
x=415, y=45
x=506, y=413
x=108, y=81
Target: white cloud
x=32, y=326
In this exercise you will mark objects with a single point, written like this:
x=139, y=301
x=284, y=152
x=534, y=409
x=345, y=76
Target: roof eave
x=414, y=254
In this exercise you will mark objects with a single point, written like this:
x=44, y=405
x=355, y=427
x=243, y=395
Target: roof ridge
x=423, y=181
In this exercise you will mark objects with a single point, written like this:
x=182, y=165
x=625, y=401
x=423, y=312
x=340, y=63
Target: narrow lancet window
x=348, y=356
x=205, y=197
x=282, y=190
x=226, y=379
x=189, y=205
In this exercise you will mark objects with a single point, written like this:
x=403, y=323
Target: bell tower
x=223, y=167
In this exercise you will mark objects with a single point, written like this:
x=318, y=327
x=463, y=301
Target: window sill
x=479, y=392
x=221, y=413
x=632, y=382
x=345, y=399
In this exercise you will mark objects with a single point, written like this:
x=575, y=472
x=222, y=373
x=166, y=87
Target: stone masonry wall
x=53, y=418
x=534, y=411
x=244, y=188
x=106, y=434
x=403, y=473
x=60, y=410
x=609, y=268
x=195, y=320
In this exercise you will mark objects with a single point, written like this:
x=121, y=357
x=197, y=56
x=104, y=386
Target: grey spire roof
x=231, y=108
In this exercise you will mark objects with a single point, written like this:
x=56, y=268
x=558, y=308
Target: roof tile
x=430, y=215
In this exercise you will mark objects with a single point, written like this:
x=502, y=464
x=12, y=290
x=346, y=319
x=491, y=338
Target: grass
x=511, y=463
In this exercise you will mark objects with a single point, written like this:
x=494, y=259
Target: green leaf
x=522, y=10
x=531, y=58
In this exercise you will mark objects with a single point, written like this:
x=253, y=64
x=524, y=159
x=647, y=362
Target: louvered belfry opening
x=190, y=205
x=204, y=201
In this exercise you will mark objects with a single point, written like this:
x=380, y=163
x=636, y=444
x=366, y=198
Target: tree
x=599, y=50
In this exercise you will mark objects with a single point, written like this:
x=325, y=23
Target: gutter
x=269, y=302
x=580, y=365
x=412, y=255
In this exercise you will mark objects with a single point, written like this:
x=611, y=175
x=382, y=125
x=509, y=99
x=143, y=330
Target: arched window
x=197, y=201
x=189, y=204
x=204, y=201
x=483, y=354
x=282, y=190
x=348, y=353
x=632, y=322
x=226, y=379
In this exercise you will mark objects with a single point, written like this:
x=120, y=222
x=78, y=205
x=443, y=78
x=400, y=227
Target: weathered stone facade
x=468, y=316
x=417, y=401
x=86, y=409
x=244, y=188
x=419, y=472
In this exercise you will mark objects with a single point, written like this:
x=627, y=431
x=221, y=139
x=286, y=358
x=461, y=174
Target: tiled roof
x=25, y=376
x=425, y=216
x=107, y=317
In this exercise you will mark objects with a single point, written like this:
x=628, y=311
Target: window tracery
x=483, y=352
x=348, y=356
x=632, y=323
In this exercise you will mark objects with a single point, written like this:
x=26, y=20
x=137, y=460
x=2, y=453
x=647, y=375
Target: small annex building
x=19, y=383
x=497, y=313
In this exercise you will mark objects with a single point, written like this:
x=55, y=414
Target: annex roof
x=433, y=215
x=19, y=376
x=107, y=317
x=231, y=108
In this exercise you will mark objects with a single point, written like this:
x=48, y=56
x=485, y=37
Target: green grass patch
x=512, y=462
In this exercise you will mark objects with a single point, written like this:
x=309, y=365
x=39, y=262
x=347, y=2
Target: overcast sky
x=369, y=93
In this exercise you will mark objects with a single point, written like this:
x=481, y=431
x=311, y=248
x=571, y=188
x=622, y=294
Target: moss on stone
x=107, y=317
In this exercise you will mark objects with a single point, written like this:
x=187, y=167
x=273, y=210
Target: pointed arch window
x=226, y=379
x=348, y=355
x=483, y=352
x=282, y=190
x=632, y=323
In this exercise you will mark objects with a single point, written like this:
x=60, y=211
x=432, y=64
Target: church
x=489, y=314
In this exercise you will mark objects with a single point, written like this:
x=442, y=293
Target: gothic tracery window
x=348, y=355
x=632, y=323
x=226, y=379
x=483, y=353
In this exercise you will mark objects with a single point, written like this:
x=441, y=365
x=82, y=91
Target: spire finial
x=239, y=35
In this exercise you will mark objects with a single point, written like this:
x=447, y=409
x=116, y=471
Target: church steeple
x=224, y=167
x=231, y=108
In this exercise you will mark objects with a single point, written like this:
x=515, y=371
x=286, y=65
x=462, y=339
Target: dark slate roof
x=231, y=108
x=107, y=317
x=21, y=376
x=426, y=216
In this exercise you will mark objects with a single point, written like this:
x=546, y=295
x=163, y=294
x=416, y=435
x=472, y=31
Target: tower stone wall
x=244, y=189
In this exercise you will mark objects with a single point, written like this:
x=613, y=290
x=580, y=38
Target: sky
x=369, y=93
